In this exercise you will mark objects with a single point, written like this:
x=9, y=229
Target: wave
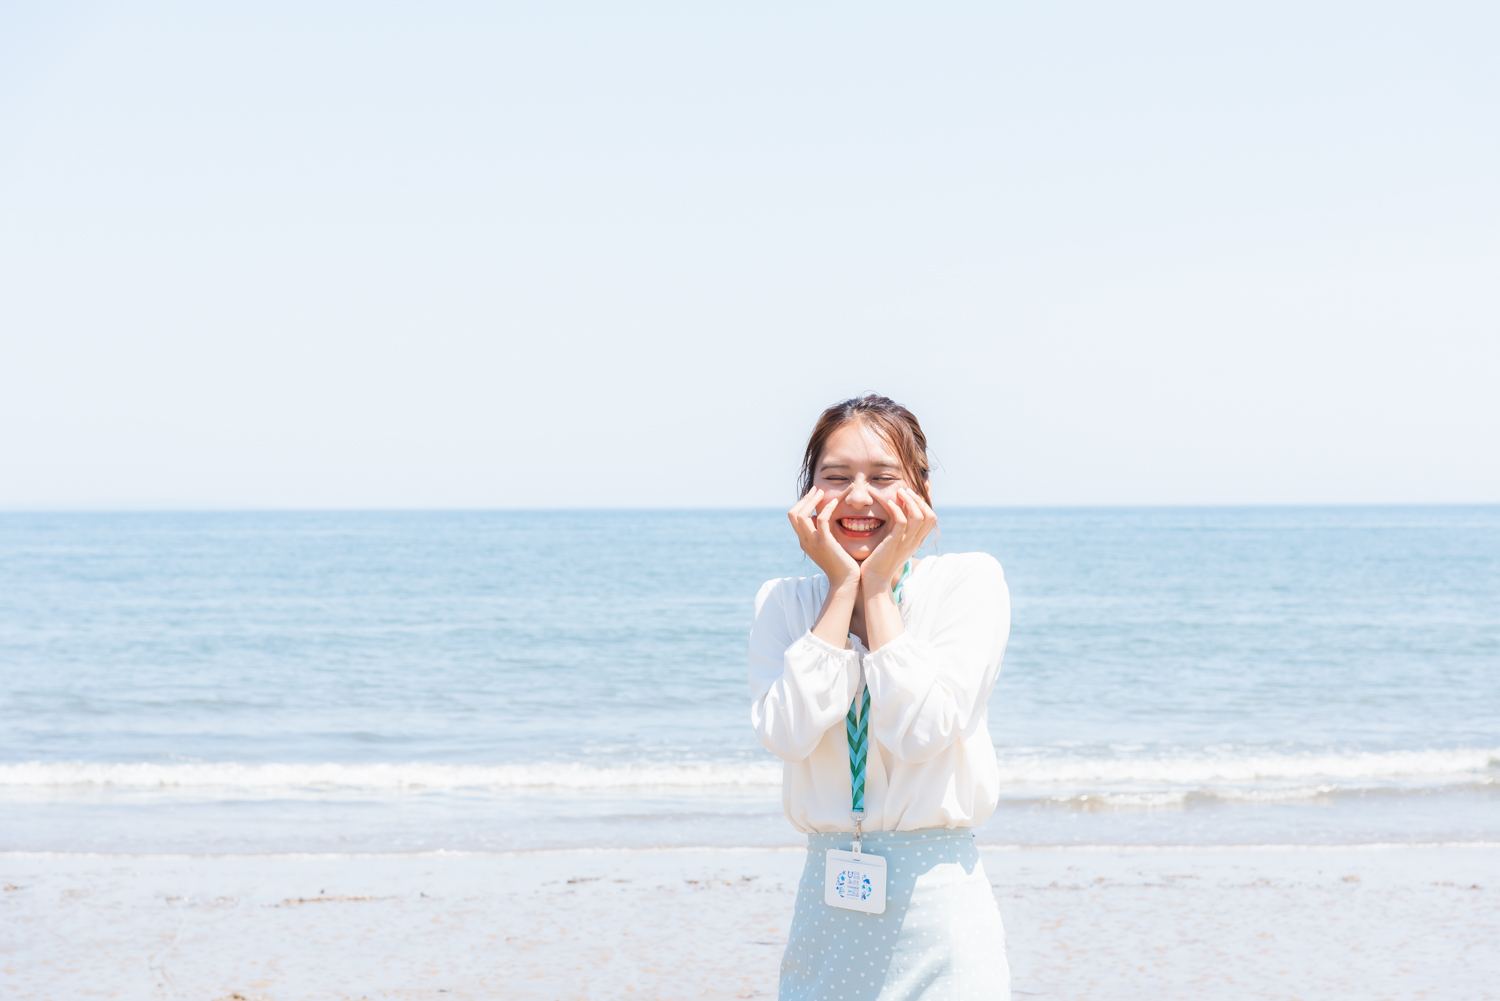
x=1106, y=800
x=1060, y=776
x=1180, y=797
x=1240, y=767
x=384, y=777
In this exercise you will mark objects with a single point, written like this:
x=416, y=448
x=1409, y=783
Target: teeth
x=860, y=524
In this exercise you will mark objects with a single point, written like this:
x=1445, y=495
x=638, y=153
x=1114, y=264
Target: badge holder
x=853, y=880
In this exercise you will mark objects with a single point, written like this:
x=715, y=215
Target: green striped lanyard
x=858, y=729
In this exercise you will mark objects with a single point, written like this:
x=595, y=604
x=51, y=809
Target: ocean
x=349, y=682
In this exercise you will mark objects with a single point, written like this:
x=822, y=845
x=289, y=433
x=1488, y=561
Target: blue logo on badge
x=853, y=884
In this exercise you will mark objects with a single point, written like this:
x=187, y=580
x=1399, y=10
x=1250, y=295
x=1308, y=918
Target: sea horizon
x=200, y=507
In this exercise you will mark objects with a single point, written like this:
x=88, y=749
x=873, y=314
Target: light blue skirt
x=940, y=938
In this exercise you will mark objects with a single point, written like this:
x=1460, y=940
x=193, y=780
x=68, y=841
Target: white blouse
x=931, y=761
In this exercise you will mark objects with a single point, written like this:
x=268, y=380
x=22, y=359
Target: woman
x=871, y=683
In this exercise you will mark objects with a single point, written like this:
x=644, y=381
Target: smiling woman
x=871, y=683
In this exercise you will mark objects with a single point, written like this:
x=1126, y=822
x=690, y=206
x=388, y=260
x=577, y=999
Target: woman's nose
x=859, y=494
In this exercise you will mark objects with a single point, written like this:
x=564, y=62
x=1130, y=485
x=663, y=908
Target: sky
x=402, y=255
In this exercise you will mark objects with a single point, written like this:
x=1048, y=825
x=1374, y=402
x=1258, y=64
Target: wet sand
x=1373, y=922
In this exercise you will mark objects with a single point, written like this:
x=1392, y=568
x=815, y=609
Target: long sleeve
x=928, y=688
x=799, y=685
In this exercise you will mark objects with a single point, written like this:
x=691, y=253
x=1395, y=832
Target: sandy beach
x=1294, y=922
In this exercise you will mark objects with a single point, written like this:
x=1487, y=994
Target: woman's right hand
x=815, y=532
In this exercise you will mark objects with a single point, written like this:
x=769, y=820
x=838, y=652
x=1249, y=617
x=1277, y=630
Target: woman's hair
x=893, y=422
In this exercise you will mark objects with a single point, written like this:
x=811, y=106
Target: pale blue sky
x=392, y=255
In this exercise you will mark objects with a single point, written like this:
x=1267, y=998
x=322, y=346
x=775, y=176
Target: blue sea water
x=365, y=681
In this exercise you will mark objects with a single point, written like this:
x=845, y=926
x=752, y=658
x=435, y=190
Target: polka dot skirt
x=940, y=938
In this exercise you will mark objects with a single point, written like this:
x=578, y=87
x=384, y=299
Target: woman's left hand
x=913, y=522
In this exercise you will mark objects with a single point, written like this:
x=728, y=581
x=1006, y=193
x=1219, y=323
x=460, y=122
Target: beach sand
x=1371, y=922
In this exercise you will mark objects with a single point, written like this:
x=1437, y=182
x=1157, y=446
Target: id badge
x=855, y=882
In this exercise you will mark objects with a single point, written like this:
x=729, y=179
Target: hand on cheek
x=911, y=522
x=811, y=519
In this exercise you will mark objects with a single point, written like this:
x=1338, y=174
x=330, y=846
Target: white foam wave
x=1049, y=774
x=1240, y=768
x=383, y=777
x=1178, y=797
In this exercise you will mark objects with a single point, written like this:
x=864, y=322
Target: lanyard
x=858, y=729
x=859, y=740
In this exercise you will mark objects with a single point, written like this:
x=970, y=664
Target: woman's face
x=857, y=466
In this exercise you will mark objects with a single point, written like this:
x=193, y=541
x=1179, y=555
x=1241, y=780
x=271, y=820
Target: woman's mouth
x=860, y=528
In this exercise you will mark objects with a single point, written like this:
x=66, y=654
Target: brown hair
x=897, y=425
